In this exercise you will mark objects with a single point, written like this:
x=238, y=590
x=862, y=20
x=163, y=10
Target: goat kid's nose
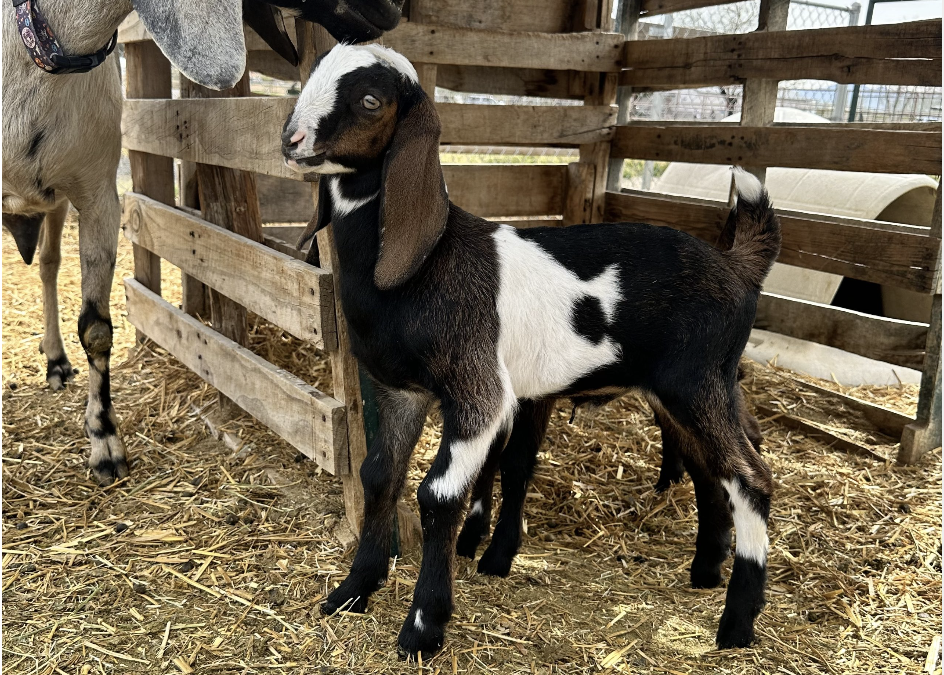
x=290, y=142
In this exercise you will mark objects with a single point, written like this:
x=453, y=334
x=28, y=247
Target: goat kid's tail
x=752, y=230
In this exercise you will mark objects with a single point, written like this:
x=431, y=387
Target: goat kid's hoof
x=704, y=577
x=470, y=538
x=734, y=632
x=418, y=636
x=58, y=372
x=108, y=461
x=495, y=563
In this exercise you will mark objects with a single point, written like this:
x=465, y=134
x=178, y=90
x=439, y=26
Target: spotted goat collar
x=44, y=48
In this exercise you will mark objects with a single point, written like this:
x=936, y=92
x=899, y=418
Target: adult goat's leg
x=517, y=468
x=442, y=497
x=672, y=469
x=99, y=218
x=383, y=475
x=58, y=369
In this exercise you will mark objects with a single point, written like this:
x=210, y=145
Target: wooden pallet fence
x=308, y=419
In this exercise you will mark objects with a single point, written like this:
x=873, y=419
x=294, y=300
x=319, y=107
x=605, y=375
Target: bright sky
x=896, y=12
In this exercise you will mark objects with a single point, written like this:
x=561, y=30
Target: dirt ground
x=214, y=557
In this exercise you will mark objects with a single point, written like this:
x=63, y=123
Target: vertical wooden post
x=228, y=198
x=195, y=299
x=601, y=91
x=628, y=21
x=313, y=40
x=925, y=433
x=760, y=96
x=148, y=76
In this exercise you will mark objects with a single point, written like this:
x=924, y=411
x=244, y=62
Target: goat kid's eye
x=370, y=102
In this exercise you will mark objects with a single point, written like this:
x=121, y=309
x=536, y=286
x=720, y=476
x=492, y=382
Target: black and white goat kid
x=491, y=322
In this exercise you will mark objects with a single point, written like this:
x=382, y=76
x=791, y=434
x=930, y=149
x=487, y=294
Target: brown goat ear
x=413, y=202
x=319, y=221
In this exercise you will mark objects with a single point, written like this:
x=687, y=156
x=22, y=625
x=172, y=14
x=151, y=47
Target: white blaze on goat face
x=536, y=296
x=320, y=94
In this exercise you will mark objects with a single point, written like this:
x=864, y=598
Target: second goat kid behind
x=488, y=321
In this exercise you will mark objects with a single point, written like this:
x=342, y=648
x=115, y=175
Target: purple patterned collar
x=44, y=48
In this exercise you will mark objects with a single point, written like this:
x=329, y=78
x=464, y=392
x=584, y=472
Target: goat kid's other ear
x=319, y=221
x=269, y=24
x=202, y=38
x=414, y=205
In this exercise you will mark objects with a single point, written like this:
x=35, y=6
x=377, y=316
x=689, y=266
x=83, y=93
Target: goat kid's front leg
x=58, y=369
x=442, y=497
x=479, y=518
x=98, y=245
x=383, y=475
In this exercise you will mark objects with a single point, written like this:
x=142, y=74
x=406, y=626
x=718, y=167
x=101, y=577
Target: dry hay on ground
x=214, y=558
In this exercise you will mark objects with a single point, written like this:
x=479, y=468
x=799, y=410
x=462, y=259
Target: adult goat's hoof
x=58, y=372
x=471, y=536
x=107, y=461
x=704, y=576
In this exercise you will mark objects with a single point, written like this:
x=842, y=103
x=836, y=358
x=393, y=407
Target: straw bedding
x=215, y=555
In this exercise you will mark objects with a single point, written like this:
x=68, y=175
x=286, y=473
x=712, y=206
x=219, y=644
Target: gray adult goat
x=62, y=143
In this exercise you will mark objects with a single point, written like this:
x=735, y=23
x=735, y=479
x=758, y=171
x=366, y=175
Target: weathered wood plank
x=811, y=147
x=544, y=16
x=889, y=340
x=493, y=190
x=598, y=52
x=512, y=81
x=905, y=53
x=813, y=431
x=887, y=421
x=525, y=125
x=901, y=257
x=308, y=419
x=507, y=48
x=245, y=133
x=148, y=76
x=285, y=291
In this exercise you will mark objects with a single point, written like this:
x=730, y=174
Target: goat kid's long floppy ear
x=414, y=205
x=269, y=24
x=203, y=38
x=319, y=221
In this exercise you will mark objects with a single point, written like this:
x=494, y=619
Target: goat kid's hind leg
x=99, y=218
x=479, y=517
x=442, y=497
x=383, y=475
x=672, y=469
x=58, y=369
x=517, y=468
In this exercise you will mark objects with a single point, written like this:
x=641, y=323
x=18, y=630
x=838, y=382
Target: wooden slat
x=597, y=52
x=512, y=81
x=491, y=190
x=810, y=147
x=887, y=421
x=906, y=53
x=308, y=419
x=525, y=125
x=813, y=431
x=545, y=16
x=282, y=290
x=654, y=7
x=487, y=190
x=889, y=340
x=901, y=257
x=245, y=133
x=861, y=126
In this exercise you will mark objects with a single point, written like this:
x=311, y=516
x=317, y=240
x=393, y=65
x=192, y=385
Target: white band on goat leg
x=749, y=526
